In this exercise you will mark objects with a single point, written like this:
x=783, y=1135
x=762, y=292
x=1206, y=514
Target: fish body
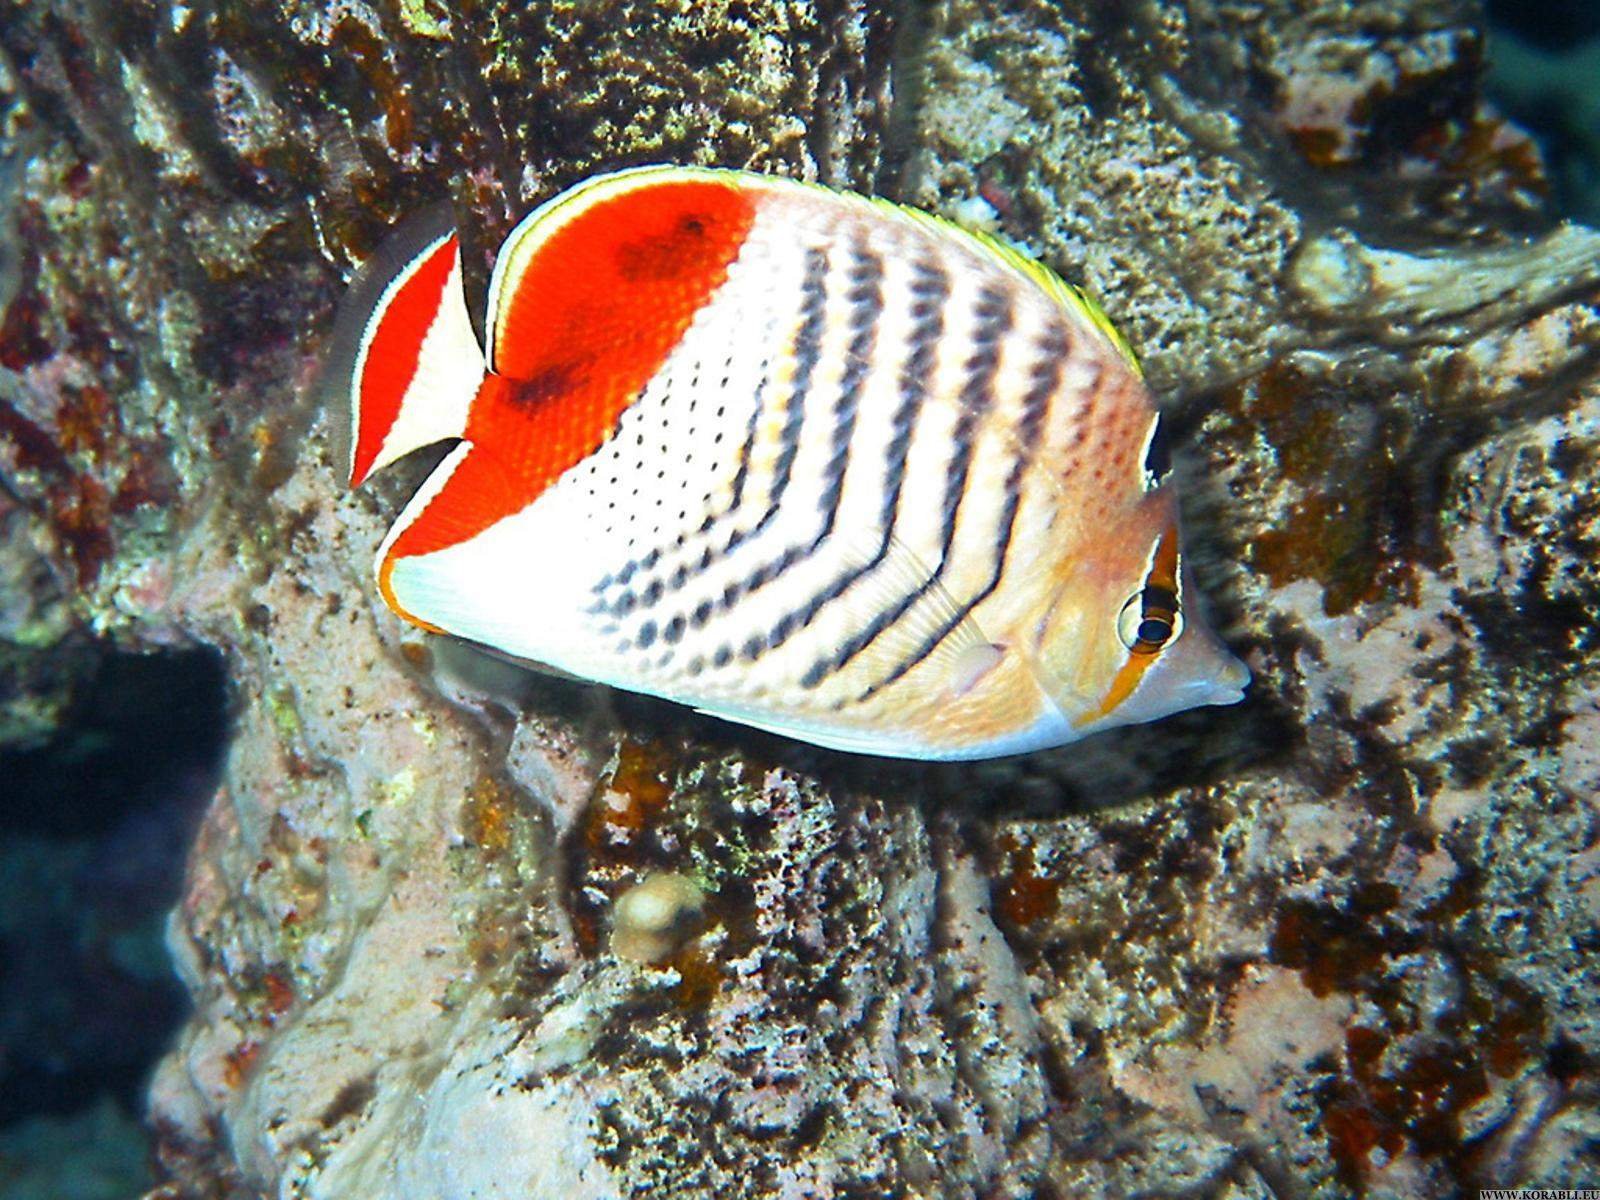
x=800, y=459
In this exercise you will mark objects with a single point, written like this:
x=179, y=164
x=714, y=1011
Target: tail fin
x=404, y=354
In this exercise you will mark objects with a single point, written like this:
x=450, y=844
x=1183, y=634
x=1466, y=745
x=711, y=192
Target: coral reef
x=1331, y=943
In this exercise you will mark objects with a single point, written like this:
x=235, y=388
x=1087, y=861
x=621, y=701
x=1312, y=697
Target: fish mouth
x=1227, y=686
x=1235, y=675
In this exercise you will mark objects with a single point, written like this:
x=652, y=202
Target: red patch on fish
x=594, y=313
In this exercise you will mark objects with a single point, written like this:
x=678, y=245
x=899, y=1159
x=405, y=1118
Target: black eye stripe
x=1156, y=598
x=1158, y=617
x=1152, y=617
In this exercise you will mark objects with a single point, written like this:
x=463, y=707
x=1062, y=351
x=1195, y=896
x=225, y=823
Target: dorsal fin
x=404, y=354
x=590, y=294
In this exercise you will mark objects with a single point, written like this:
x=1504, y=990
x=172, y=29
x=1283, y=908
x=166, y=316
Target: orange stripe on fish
x=1148, y=621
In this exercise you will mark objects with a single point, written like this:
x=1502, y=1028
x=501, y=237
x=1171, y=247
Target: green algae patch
x=425, y=18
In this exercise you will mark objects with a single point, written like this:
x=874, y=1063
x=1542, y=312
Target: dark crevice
x=94, y=830
x=1551, y=26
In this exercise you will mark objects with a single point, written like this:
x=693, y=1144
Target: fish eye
x=1147, y=623
x=1157, y=455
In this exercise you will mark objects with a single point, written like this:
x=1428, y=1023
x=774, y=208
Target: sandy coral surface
x=1337, y=941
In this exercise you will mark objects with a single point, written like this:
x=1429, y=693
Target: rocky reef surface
x=1337, y=941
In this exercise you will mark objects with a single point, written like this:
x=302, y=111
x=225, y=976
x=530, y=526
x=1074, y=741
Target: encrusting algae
x=1380, y=377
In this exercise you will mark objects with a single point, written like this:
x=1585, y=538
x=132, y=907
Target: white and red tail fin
x=404, y=352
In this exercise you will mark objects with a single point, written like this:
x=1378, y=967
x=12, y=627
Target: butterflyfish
x=804, y=460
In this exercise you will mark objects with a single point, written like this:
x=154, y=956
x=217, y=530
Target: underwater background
x=295, y=900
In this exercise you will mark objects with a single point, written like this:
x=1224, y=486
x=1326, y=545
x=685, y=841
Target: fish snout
x=1202, y=670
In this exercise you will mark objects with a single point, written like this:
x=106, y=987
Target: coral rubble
x=1330, y=943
